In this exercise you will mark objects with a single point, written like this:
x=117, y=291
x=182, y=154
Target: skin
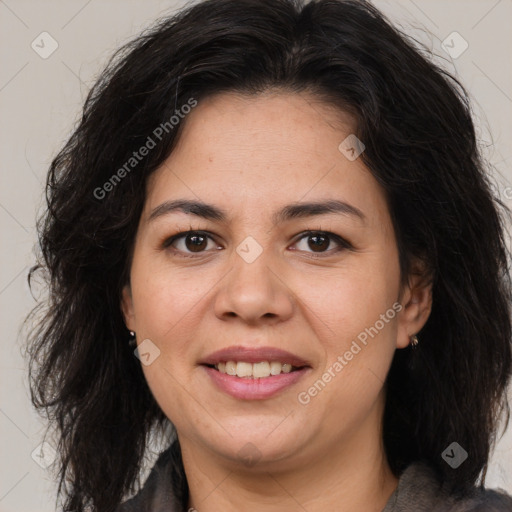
x=251, y=156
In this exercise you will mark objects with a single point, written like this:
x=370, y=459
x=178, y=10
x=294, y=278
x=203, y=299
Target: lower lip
x=254, y=389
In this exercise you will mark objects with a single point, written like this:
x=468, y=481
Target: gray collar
x=418, y=490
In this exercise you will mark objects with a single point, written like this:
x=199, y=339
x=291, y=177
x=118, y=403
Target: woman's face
x=255, y=278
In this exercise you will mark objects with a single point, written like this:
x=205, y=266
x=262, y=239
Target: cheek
x=357, y=308
x=167, y=305
x=167, y=299
x=352, y=299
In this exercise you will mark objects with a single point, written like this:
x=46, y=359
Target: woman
x=283, y=207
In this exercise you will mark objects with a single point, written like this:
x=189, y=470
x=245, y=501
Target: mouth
x=259, y=370
x=265, y=358
x=249, y=387
x=251, y=373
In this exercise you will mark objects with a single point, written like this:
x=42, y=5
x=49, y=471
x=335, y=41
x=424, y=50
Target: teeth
x=256, y=370
x=230, y=368
x=261, y=369
x=244, y=369
x=275, y=368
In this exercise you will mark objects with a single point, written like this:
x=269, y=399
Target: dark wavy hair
x=415, y=121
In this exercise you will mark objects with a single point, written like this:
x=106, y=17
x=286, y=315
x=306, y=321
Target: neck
x=354, y=476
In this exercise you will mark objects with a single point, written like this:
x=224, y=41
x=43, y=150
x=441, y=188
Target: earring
x=414, y=341
x=132, y=342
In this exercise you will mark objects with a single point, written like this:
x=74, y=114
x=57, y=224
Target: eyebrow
x=288, y=212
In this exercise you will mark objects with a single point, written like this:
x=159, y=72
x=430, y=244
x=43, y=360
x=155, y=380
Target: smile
x=254, y=370
x=250, y=386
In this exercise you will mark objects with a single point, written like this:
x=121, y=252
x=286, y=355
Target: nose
x=254, y=292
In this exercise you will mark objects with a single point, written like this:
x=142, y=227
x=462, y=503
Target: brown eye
x=319, y=242
x=195, y=243
x=188, y=242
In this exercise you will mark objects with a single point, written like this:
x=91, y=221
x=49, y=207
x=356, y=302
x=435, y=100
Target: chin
x=256, y=447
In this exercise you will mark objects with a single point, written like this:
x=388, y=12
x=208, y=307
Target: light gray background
x=40, y=101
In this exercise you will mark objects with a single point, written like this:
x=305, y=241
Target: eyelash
x=343, y=244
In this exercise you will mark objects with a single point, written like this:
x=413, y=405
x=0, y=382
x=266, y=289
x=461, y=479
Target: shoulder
x=483, y=500
x=489, y=500
x=156, y=494
x=420, y=489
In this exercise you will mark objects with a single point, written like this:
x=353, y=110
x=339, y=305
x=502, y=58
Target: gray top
x=418, y=490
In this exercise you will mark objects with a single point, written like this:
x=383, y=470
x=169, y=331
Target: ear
x=416, y=299
x=127, y=308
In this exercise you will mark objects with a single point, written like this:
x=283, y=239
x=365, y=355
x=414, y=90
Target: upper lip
x=253, y=355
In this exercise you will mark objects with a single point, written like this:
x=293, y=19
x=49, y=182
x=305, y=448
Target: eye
x=320, y=241
x=195, y=242
x=191, y=242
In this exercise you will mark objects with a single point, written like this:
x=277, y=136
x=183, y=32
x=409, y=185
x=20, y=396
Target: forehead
x=251, y=152
x=288, y=125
